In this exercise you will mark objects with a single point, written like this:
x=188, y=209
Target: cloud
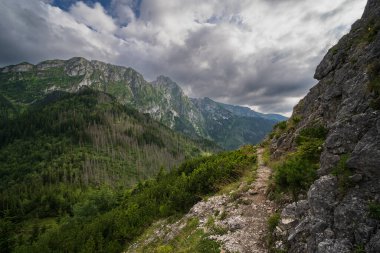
x=94, y=17
x=260, y=53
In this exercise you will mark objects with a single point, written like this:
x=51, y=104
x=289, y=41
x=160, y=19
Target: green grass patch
x=297, y=171
x=374, y=210
x=342, y=173
x=273, y=221
x=189, y=240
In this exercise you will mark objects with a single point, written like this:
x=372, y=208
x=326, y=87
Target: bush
x=273, y=221
x=295, y=175
x=207, y=246
x=316, y=132
x=342, y=173
x=280, y=125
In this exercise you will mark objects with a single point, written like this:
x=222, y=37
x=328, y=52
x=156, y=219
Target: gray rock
x=334, y=246
x=355, y=178
x=374, y=244
x=322, y=197
x=336, y=218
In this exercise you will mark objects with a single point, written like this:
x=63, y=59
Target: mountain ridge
x=162, y=98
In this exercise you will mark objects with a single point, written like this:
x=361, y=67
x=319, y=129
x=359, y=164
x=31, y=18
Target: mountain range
x=230, y=126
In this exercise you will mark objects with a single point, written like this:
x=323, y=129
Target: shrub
x=295, y=175
x=280, y=125
x=207, y=246
x=273, y=221
x=296, y=119
x=342, y=173
x=316, y=132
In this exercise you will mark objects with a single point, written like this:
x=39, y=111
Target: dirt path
x=250, y=237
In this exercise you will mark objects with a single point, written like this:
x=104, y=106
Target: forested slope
x=83, y=148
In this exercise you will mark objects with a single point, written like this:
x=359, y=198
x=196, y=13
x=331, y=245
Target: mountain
x=337, y=128
x=230, y=129
x=247, y=112
x=163, y=99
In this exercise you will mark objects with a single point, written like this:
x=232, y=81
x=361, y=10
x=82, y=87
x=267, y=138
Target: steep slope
x=24, y=83
x=234, y=220
x=68, y=148
x=107, y=221
x=230, y=129
x=340, y=212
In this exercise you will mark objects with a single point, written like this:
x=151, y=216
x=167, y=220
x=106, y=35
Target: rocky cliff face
x=341, y=212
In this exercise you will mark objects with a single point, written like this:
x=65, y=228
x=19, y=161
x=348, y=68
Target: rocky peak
x=50, y=64
x=167, y=84
x=21, y=67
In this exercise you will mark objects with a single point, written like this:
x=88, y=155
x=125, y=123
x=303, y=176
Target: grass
x=190, y=239
x=248, y=177
x=273, y=221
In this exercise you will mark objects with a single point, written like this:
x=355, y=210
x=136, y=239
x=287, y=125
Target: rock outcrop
x=333, y=218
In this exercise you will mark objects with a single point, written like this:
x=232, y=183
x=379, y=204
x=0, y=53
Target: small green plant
x=342, y=173
x=281, y=125
x=219, y=230
x=213, y=228
x=374, y=210
x=207, y=245
x=223, y=215
x=359, y=248
x=273, y=222
x=334, y=49
x=210, y=222
x=296, y=119
x=164, y=249
x=373, y=29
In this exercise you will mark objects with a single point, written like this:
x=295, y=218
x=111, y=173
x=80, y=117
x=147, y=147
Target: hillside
x=107, y=220
x=337, y=126
x=67, y=148
x=229, y=127
x=163, y=99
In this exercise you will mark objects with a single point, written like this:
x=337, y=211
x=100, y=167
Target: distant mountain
x=163, y=99
x=228, y=128
x=247, y=112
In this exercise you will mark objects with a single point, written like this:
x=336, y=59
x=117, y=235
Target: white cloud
x=260, y=53
x=94, y=17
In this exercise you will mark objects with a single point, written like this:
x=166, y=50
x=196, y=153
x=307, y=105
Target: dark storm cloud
x=259, y=53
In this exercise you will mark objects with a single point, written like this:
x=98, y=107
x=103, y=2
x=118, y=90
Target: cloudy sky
x=260, y=53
